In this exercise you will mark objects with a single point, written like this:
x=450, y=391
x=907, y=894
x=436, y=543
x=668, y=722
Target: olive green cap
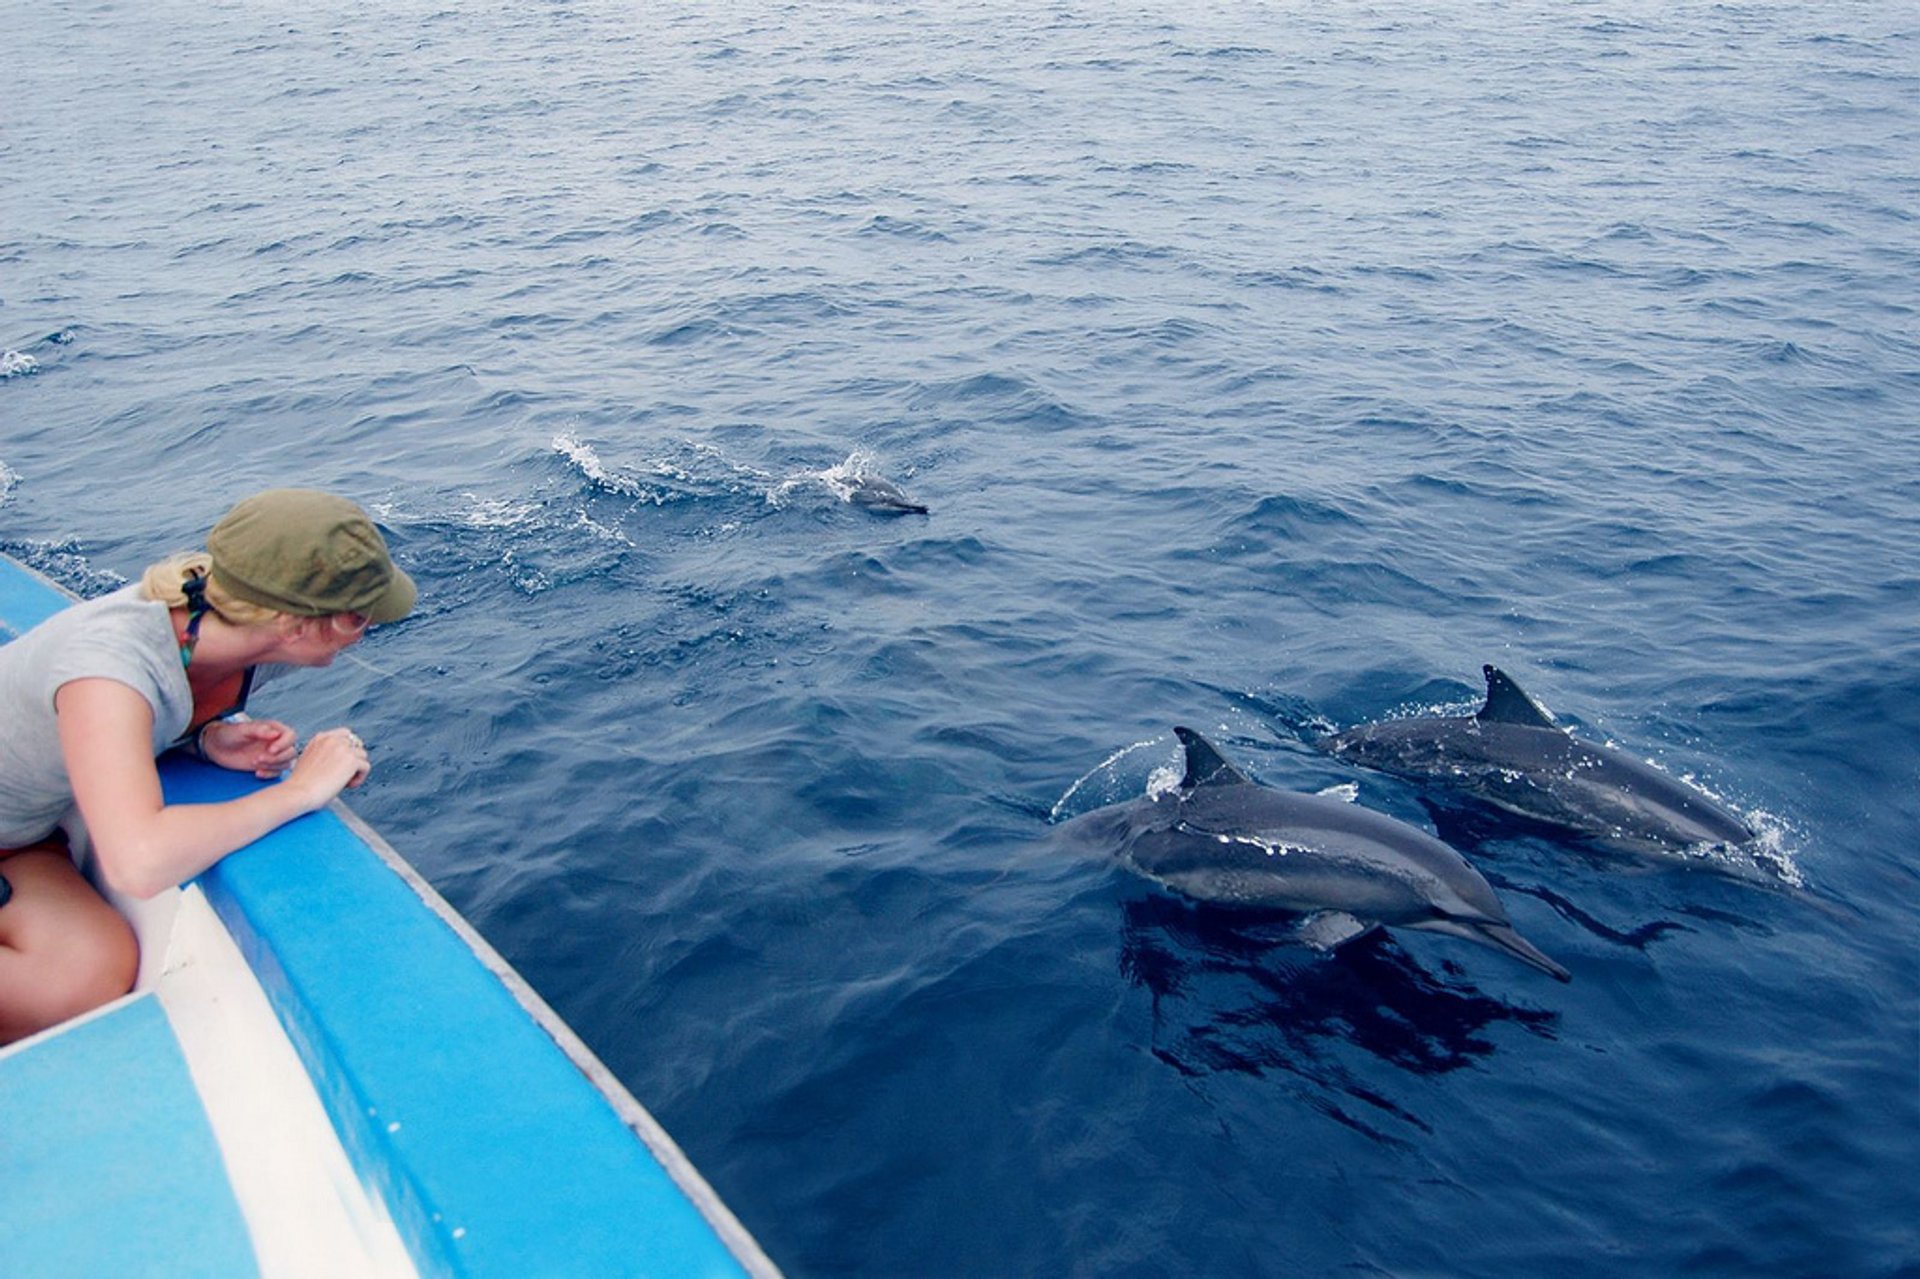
x=308, y=553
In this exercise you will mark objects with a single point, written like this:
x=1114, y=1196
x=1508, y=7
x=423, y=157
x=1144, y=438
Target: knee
x=93, y=964
x=103, y=962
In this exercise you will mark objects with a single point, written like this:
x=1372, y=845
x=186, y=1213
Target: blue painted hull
x=496, y=1142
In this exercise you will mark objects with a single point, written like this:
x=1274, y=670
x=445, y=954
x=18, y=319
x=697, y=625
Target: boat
x=323, y=1070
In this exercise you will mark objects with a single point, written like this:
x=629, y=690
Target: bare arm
x=145, y=845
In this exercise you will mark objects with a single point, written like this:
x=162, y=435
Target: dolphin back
x=883, y=496
x=1513, y=754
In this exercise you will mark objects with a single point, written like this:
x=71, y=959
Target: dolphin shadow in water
x=1219, y=837
x=1233, y=993
x=1511, y=753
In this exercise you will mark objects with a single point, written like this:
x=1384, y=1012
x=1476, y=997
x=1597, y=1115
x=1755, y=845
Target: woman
x=91, y=696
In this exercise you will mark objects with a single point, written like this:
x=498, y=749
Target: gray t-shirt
x=124, y=637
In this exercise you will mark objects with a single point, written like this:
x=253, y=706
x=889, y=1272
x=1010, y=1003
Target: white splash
x=847, y=473
x=842, y=479
x=1103, y=766
x=494, y=512
x=588, y=463
x=17, y=364
x=1769, y=850
x=605, y=532
x=585, y=460
x=709, y=473
x=1164, y=779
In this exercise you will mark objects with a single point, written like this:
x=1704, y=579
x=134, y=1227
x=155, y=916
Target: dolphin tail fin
x=1205, y=765
x=1508, y=704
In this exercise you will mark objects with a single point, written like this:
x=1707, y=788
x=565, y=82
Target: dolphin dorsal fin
x=1205, y=765
x=1508, y=704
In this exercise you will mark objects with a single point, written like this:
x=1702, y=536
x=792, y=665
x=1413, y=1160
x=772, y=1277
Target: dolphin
x=1513, y=754
x=1222, y=838
x=881, y=496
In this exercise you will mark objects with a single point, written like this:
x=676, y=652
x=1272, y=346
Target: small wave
x=1290, y=518
x=1297, y=277
x=905, y=228
x=701, y=471
x=1009, y=398
x=1127, y=253
x=1783, y=351
x=17, y=364
x=587, y=461
x=9, y=480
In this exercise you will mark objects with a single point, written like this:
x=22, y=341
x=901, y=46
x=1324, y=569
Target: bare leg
x=63, y=949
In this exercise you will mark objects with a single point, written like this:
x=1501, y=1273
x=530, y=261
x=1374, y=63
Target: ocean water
x=1266, y=368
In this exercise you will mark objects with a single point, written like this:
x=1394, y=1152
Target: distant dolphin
x=1221, y=838
x=881, y=496
x=1512, y=754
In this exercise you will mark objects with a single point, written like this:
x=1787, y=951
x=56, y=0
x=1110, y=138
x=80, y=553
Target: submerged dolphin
x=881, y=496
x=1512, y=754
x=1221, y=838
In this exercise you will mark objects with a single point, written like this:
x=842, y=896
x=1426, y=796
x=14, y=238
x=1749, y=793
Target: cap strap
x=195, y=589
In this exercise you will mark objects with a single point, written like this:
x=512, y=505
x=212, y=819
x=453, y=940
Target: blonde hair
x=163, y=582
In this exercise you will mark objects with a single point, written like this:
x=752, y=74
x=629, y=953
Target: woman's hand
x=263, y=747
x=333, y=761
x=144, y=845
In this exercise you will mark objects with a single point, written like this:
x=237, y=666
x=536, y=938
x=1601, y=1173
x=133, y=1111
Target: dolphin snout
x=1504, y=937
x=1489, y=932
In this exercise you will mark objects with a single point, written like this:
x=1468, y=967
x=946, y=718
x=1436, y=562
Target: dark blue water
x=1265, y=367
